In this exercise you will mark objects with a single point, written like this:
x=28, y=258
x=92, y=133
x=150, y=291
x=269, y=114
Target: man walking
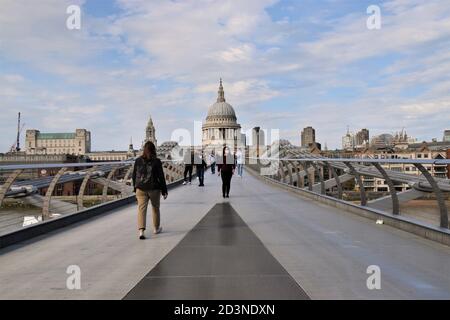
x=200, y=166
x=188, y=166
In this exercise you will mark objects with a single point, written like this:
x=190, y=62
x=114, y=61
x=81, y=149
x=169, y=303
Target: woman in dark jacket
x=149, y=184
x=226, y=170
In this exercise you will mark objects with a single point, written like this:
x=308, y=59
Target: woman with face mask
x=226, y=171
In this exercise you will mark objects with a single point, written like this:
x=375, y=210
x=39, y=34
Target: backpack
x=145, y=174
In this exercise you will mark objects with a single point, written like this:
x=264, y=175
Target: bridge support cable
x=49, y=193
x=321, y=178
x=310, y=175
x=295, y=174
x=301, y=172
x=286, y=172
x=392, y=191
x=9, y=181
x=332, y=171
x=289, y=166
x=83, y=187
x=438, y=193
x=362, y=189
x=124, y=191
x=108, y=179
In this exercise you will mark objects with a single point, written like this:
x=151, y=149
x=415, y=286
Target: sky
x=285, y=65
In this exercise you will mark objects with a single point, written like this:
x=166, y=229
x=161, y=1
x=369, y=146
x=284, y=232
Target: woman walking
x=226, y=171
x=149, y=184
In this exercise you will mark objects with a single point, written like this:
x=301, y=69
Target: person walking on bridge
x=188, y=165
x=226, y=170
x=149, y=184
x=240, y=162
x=212, y=162
x=200, y=166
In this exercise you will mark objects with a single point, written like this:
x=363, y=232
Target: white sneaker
x=184, y=183
x=156, y=231
x=190, y=182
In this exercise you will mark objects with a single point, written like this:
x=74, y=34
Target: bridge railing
x=32, y=193
x=323, y=175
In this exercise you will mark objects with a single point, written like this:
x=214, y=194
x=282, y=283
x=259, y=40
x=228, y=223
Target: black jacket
x=226, y=164
x=157, y=181
x=202, y=165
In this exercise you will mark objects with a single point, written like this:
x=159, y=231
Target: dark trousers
x=213, y=168
x=201, y=174
x=226, y=182
x=188, y=169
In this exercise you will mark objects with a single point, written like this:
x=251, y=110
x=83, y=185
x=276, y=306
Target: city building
x=362, y=137
x=348, y=141
x=446, y=137
x=257, y=143
x=258, y=137
x=109, y=156
x=76, y=143
x=308, y=137
x=424, y=150
x=221, y=127
x=382, y=141
x=150, y=132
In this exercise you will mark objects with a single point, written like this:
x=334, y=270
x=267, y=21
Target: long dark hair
x=149, y=151
x=223, y=151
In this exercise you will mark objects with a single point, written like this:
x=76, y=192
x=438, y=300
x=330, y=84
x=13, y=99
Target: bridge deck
x=324, y=250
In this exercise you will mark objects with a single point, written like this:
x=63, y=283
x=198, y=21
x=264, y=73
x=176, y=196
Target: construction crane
x=16, y=146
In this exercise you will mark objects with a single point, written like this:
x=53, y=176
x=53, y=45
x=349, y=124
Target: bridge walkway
x=320, y=252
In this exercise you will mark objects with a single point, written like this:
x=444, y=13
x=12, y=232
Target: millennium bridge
x=288, y=231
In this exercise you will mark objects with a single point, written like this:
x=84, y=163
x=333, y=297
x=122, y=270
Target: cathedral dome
x=221, y=109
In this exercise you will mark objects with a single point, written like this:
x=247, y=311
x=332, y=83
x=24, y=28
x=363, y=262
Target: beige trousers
x=143, y=198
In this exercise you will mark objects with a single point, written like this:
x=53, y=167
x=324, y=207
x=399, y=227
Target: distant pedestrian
x=149, y=184
x=226, y=170
x=240, y=162
x=188, y=166
x=200, y=166
x=212, y=162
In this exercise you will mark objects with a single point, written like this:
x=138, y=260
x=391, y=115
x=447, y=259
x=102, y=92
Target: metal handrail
x=71, y=165
x=359, y=160
x=373, y=167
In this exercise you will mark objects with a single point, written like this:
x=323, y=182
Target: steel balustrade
x=360, y=167
x=438, y=193
x=362, y=189
x=19, y=182
x=5, y=187
x=48, y=194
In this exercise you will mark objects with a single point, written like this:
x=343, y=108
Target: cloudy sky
x=285, y=64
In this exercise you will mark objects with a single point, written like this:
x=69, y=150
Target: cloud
x=164, y=58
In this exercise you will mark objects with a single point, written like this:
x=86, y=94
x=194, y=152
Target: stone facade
x=77, y=143
x=308, y=137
